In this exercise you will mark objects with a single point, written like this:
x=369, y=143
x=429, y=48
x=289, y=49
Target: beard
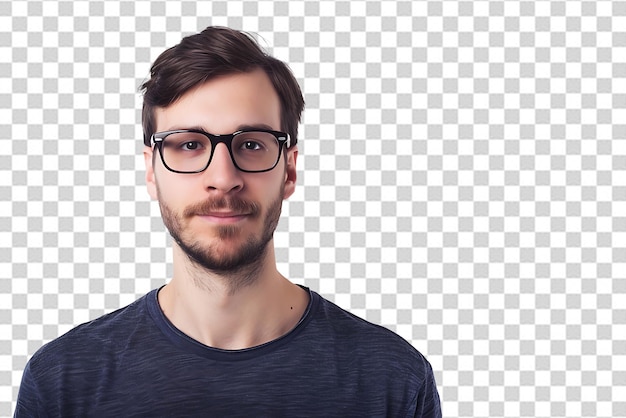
x=220, y=256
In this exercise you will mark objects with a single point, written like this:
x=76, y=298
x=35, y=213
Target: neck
x=232, y=310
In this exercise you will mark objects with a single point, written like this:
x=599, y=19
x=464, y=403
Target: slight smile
x=223, y=217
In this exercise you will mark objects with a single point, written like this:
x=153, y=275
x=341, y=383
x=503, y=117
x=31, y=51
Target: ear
x=148, y=156
x=290, y=172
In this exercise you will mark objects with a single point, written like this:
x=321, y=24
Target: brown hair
x=211, y=53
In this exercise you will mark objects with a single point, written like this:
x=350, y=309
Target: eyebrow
x=256, y=126
x=239, y=128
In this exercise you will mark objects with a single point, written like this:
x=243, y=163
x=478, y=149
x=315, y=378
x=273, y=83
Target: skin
x=226, y=291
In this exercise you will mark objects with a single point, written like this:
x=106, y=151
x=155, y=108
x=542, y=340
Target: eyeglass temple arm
x=289, y=142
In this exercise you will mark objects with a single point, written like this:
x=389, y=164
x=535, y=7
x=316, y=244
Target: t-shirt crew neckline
x=190, y=345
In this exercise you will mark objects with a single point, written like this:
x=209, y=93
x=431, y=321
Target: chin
x=228, y=231
x=231, y=259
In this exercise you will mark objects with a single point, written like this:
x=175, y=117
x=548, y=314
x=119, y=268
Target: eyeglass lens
x=190, y=151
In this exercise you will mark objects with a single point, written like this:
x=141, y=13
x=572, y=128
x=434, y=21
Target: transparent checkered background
x=462, y=181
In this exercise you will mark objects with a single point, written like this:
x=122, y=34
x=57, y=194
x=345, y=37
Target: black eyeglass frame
x=227, y=139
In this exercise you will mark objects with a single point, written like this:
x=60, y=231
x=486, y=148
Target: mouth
x=223, y=218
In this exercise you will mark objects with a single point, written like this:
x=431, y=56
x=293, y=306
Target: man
x=228, y=335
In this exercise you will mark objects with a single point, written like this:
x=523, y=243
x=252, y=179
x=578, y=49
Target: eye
x=191, y=145
x=251, y=146
x=186, y=142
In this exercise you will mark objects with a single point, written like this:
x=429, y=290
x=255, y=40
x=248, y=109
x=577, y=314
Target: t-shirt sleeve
x=427, y=403
x=29, y=398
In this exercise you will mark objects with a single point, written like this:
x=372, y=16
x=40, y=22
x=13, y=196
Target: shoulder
x=371, y=342
x=384, y=366
x=347, y=325
x=73, y=363
x=97, y=336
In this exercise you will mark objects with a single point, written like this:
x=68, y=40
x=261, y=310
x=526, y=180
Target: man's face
x=222, y=218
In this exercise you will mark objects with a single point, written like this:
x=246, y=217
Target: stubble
x=239, y=267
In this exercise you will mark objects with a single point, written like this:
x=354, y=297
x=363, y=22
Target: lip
x=223, y=217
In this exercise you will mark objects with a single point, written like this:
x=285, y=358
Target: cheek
x=171, y=189
x=272, y=184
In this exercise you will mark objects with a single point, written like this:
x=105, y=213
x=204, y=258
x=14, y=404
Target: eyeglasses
x=191, y=150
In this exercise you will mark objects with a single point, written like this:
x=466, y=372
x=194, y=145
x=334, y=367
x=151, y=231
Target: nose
x=221, y=174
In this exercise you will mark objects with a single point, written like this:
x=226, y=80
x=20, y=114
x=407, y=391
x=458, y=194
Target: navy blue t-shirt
x=134, y=362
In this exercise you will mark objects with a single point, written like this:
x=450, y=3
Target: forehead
x=223, y=104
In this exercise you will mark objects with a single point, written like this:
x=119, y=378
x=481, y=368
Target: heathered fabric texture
x=134, y=362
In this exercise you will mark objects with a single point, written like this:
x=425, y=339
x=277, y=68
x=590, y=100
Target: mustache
x=232, y=204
